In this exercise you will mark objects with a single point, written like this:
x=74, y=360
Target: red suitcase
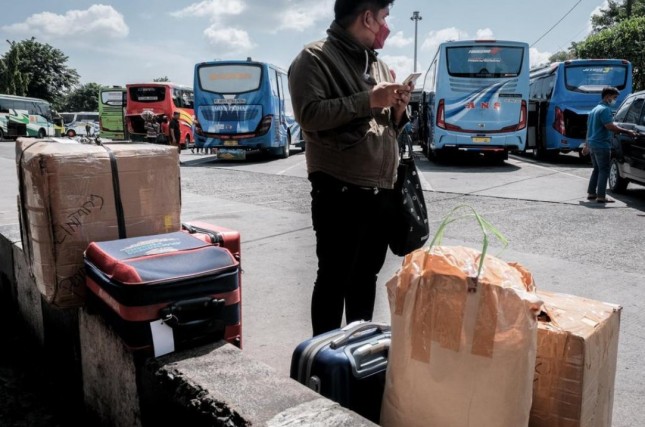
x=166, y=292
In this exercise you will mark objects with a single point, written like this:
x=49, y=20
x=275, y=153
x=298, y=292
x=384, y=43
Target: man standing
x=350, y=113
x=174, y=130
x=599, y=125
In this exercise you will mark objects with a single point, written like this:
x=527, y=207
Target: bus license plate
x=230, y=143
x=481, y=139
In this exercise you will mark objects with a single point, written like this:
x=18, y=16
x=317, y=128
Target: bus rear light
x=198, y=127
x=558, y=123
x=264, y=125
x=441, y=114
x=523, y=110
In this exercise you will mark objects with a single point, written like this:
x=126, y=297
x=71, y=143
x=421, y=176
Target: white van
x=81, y=123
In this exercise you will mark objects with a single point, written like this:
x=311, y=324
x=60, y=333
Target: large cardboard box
x=576, y=362
x=71, y=194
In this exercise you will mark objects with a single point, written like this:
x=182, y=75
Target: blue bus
x=562, y=95
x=479, y=98
x=242, y=106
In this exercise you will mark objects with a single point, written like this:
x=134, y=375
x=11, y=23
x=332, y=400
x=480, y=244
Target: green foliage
x=82, y=98
x=561, y=56
x=12, y=81
x=625, y=40
x=161, y=79
x=41, y=69
x=617, y=12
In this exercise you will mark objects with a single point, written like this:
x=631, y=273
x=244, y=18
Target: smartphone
x=412, y=78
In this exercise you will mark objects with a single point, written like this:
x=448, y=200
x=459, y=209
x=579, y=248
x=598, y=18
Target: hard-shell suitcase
x=165, y=292
x=346, y=365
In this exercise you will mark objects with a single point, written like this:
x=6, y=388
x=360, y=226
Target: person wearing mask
x=600, y=124
x=350, y=112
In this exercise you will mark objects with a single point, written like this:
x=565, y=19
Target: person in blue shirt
x=600, y=124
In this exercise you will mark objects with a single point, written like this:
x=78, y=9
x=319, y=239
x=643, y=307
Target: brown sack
x=460, y=358
x=67, y=199
x=576, y=362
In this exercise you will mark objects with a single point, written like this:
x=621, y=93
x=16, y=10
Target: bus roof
x=23, y=98
x=476, y=42
x=550, y=68
x=238, y=62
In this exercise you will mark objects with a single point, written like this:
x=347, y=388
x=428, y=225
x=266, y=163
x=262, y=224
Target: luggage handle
x=216, y=237
x=208, y=308
x=372, y=348
x=360, y=327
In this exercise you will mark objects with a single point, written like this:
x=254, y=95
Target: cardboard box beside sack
x=72, y=194
x=576, y=362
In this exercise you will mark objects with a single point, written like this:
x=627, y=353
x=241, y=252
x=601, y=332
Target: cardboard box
x=72, y=194
x=576, y=362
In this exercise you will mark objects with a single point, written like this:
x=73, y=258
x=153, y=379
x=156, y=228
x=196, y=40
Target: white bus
x=22, y=116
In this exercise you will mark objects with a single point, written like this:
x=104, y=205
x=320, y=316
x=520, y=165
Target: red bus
x=150, y=106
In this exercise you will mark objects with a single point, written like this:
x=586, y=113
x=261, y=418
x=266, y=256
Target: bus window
x=147, y=94
x=593, y=78
x=484, y=61
x=229, y=78
x=288, y=106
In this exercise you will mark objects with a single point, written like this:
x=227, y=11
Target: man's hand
x=389, y=95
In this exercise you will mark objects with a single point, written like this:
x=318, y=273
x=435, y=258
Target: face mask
x=612, y=102
x=380, y=36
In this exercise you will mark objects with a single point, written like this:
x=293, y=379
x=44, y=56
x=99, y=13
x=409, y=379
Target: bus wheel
x=284, y=153
x=71, y=133
x=186, y=142
x=41, y=133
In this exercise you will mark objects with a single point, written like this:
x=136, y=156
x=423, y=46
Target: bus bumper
x=478, y=143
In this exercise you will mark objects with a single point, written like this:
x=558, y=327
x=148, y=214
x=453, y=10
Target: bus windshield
x=230, y=78
x=484, y=61
x=593, y=78
x=112, y=97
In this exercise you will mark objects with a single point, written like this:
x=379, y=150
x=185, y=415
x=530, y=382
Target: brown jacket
x=330, y=94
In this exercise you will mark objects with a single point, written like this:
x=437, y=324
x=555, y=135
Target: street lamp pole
x=416, y=17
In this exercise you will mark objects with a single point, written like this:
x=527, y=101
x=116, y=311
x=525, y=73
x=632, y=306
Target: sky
x=133, y=41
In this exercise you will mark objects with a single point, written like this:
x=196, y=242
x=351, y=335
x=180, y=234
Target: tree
x=44, y=67
x=12, y=81
x=562, y=56
x=625, y=40
x=617, y=12
x=161, y=79
x=82, y=98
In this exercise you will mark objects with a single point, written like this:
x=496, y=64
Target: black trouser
x=351, y=225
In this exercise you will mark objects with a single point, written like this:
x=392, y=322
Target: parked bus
x=22, y=116
x=479, y=92
x=150, y=106
x=242, y=106
x=112, y=101
x=563, y=94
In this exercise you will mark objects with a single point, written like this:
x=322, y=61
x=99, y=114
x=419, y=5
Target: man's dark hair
x=609, y=91
x=346, y=11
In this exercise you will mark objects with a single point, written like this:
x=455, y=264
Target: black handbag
x=410, y=228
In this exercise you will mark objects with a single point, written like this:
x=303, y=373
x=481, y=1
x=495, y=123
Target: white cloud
x=304, y=15
x=212, y=9
x=228, y=40
x=435, y=38
x=537, y=58
x=98, y=21
x=398, y=40
x=402, y=65
x=485, y=34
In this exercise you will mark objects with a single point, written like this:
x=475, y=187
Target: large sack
x=72, y=194
x=460, y=358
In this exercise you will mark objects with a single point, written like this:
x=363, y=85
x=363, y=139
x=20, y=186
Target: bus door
x=277, y=88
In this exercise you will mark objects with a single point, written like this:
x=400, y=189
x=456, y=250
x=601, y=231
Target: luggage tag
x=163, y=340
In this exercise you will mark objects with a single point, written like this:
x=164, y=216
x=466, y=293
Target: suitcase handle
x=355, y=330
x=216, y=237
x=193, y=313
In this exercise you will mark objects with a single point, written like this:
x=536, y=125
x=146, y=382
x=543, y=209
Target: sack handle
x=486, y=228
